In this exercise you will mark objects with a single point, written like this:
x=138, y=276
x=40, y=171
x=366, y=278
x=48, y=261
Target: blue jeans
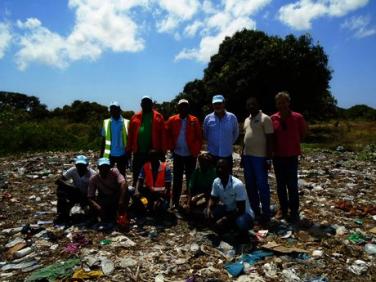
x=286, y=172
x=243, y=222
x=256, y=181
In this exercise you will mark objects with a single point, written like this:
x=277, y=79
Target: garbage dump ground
x=335, y=241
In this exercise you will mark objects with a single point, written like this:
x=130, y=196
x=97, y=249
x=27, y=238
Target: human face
x=253, y=106
x=115, y=112
x=223, y=170
x=104, y=170
x=81, y=169
x=282, y=104
x=146, y=105
x=183, y=109
x=219, y=108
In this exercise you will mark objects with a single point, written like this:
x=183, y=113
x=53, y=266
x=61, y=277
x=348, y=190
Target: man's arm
x=235, y=131
x=103, y=143
x=240, y=207
x=205, y=128
x=124, y=198
x=213, y=201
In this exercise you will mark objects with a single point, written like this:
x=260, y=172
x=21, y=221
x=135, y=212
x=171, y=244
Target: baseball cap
x=103, y=161
x=114, y=104
x=218, y=99
x=81, y=159
x=183, y=101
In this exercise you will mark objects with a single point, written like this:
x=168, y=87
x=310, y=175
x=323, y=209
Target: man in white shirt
x=69, y=194
x=234, y=209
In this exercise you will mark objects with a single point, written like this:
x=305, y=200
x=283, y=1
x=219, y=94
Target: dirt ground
x=333, y=242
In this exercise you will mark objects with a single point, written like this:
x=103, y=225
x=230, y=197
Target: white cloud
x=209, y=44
x=5, y=38
x=245, y=7
x=360, y=26
x=299, y=15
x=219, y=22
x=177, y=12
x=99, y=26
x=191, y=30
x=110, y=25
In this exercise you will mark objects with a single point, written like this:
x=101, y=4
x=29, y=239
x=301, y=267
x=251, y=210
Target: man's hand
x=209, y=213
x=268, y=165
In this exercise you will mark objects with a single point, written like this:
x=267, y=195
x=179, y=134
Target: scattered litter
x=59, y=270
x=358, y=267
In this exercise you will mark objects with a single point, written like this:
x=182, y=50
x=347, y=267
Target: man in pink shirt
x=107, y=192
x=289, y=129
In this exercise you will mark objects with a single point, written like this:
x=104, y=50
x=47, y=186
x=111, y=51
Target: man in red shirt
x=289, y=130
x=184, y=137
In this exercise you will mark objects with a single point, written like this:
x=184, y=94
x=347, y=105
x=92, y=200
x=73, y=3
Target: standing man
x=221, y=129
x=114, y=141
x=289, y=130
x=257, y=158
x=146, y=132
x=108, y=192
x=76, y=193
x=183, y=132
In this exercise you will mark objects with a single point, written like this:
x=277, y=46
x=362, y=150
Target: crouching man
x=228, y=205
x=108, y=192
x=200, y=186
x=154, y=184
x=70, y=194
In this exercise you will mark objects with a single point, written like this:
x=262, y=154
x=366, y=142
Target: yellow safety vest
x=108, y=137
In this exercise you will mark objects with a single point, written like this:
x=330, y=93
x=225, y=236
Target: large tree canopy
x=251, y=63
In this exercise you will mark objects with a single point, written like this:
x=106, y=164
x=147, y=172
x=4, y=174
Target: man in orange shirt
x=146, y=131
x=184, y=137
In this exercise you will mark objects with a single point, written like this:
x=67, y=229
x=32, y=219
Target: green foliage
x=10, y=101
x=358, y=112
x=251, y=63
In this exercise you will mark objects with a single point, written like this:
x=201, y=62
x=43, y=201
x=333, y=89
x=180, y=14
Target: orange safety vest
x=159, y=184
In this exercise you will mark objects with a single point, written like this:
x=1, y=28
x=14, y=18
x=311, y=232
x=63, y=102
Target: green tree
x=251, y=63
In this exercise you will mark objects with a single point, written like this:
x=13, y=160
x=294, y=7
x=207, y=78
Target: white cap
x=183, y=101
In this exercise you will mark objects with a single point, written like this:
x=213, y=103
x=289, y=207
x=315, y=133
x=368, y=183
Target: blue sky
x=96, y=50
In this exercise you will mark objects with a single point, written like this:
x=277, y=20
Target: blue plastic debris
x=236, y=268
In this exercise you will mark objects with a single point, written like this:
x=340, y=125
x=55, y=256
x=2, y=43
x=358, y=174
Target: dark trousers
x=286, y=172
x=121, y=163
x=67, y=197
x=109, y=206
x=181, y=164
x=228, y=159
x=139, y=159
x=157, y=204
x=242, y=222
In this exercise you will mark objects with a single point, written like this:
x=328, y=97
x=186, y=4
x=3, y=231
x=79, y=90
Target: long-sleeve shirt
x=221, y=133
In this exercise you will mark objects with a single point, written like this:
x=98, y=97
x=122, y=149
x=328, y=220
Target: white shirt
x=81, y=182
x=232, y=193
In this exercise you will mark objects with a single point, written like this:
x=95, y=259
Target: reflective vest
x=108, y=137
x=159, y=184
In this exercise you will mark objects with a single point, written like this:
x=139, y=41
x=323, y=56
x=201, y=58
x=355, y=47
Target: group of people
x=213, y=192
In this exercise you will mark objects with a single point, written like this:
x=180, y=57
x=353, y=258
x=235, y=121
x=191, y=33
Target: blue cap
x=218, y=99
x=103, y=161
x=146, y=98
x=81, y=159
